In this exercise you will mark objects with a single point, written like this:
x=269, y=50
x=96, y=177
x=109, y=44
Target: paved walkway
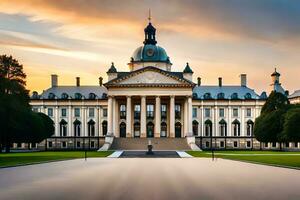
x=143, y=154
x=149, y=178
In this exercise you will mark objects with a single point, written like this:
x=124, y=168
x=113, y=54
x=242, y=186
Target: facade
x=151, y=100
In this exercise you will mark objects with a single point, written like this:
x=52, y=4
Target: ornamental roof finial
x=149, y=16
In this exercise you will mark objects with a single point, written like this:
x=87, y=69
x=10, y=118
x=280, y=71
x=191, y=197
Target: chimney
x=220, y=81
x=100, y=81
x=243, y=80
x=54, y=80
x=77, y=81
x=199, y=81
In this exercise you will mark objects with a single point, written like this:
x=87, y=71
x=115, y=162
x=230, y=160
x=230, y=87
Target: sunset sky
x=219, y=38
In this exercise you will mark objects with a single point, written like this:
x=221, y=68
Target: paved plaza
x=149, y=178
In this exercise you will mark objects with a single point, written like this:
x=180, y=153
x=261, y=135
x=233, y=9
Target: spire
x=150, y=32
x=112, y=69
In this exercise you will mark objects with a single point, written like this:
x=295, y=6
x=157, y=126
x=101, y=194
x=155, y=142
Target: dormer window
x=195, y=95
x=235, y=96
x=92, y=96
x=51, y=96
x=207, y=96
x=64, y=96
x=221, y=95
x=35, y=95
x=78, y=96
x=104, y=96
x=248, y=96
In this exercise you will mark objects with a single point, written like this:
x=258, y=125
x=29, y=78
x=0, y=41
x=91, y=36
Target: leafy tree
x=291, y=127
x=275, y=101
x=18, y=123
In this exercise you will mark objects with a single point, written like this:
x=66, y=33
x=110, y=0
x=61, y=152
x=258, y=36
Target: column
x=110, y=116
x=202, y=120
x=185, y=118
x=70, y=123
x=143, y=116
x=56, y=121
x=157, y=117
x=229, y=125
x=242, y=128
x=129, y=133
x=172, y=116
x=216, y=121
x=116, y=118
x=84, y=121
x=190, y=117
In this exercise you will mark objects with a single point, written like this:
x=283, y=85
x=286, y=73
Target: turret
x=188, y=72
x=112, y=73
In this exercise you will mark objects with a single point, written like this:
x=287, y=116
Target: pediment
x=149, y=77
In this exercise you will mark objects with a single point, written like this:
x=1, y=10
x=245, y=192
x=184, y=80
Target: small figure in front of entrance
x=149, y=152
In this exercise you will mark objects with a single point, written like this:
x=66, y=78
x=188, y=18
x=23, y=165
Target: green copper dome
x=150, y=53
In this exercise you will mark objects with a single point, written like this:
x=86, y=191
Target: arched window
x=35, y=95
x=195, y=127
x=136, y=129
x=64, y=96
x=221, y=95
x=63, y=128
x=207, y=96
x=92, y=96
x=91, y=128
x=104, y=127
x=208, y=128
x=51, y=95
x=250, y=125
x=78, y=96
x=235, y=96
x=248, y=96
x=223, y=127
x=236, y=128
x=163, y=129
x=77, y=128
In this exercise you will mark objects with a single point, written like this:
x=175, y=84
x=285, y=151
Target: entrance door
x=122, y=129
x=150, y=129
x=178, y=130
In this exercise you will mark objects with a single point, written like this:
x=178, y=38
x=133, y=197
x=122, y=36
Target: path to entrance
x=143, y=154
x=149, y=178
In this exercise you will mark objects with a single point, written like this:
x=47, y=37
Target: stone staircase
x=158, y=144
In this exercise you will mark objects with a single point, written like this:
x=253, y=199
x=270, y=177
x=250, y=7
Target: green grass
x=14, y=159
x=284, y=159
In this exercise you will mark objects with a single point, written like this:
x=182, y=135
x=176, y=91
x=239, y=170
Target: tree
x=275, y=101
x=18, y=123
x=291, y=126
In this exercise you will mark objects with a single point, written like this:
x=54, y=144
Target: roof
x=112, y=69
x=187, y=69
x=199, y=92
x=85, y=91
x=278, y=88
x=295, y=94
x=150, y=53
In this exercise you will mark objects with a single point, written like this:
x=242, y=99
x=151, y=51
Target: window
x=235, y=96
x=50, y=144
x=194, y=112
x=207, y=96
x=221, y=95
x=64, y=144
x=150, y=111
x=195, y=127
x=235, y=112
x=91, y=128
x=163, y=111
x=248, y=144
x=92, y=144
x=77, y=128
x=273, y=144
x=35, y=109
x=207, y=112
x=92, y=96
x=163, y=129
x=221, y=112
x=207, y=144
x=248, y=112
x=50, y=112
x=78, y=144
x=235, y=144
x=78, y=96
x=64, y=96
x=177, y=111
x=287, y=144
x=77, y=112
x=296, y=144
x=222, y=144
x=63, y=112
x=248, y=96
x=104, y=127
x=104, y=112
x=51, y=96
x=137, y=111
x=91, y=112
x=266, y=145
x=122, y=111
x=33, y=145
x=236, y=128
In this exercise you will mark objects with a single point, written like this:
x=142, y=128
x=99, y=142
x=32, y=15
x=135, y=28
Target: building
x=150, y=100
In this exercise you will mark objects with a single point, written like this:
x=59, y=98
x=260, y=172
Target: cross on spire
x=149, y=16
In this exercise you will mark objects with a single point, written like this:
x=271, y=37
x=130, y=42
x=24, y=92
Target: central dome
x=150, y=53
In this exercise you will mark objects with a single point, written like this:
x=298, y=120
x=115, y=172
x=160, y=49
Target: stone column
x=110, y=116
x=242, y=128
x=190, y=117
x=143, y=116
x=116, y=118
x=216, y=117
x=128, y=118
x=229, y=125
x=172, y=116
x=157, y=117
x=70, y=122
x=57, y=121
x=202, y=120
x=185, y=118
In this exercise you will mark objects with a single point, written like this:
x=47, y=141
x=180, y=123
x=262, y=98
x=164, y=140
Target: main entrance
x=150, y=129
x=178, y=130
x=122, y=129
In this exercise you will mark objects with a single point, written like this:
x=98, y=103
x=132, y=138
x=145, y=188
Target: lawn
x=14, y=159
x=284, y=159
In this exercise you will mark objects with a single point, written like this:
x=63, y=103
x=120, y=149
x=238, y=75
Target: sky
x=219, y=38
